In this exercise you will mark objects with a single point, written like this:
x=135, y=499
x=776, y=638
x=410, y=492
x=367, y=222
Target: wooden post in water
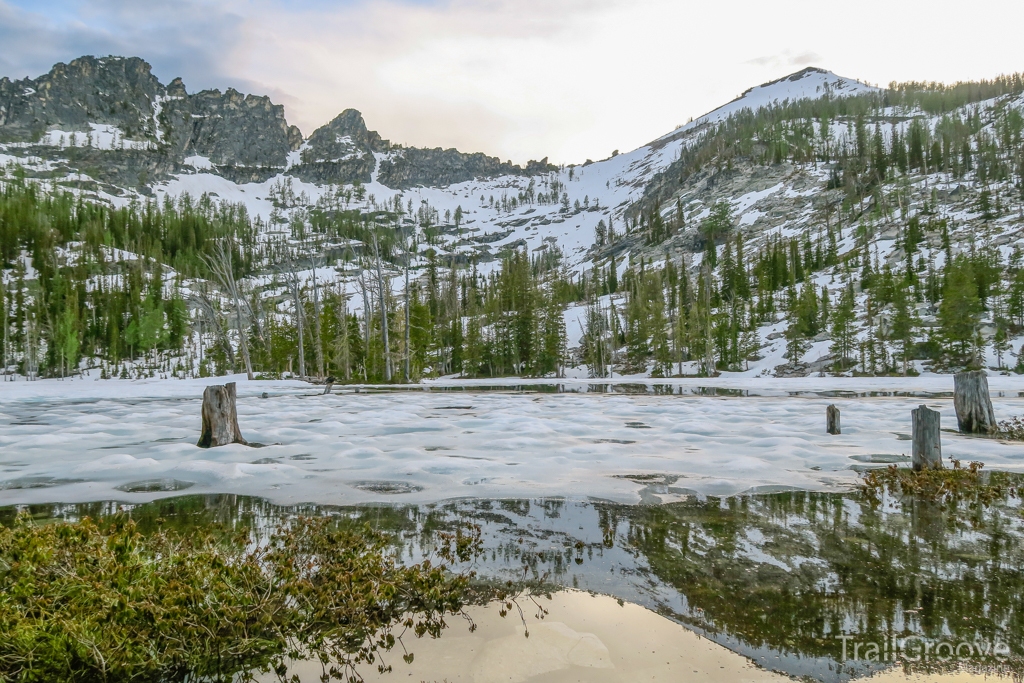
x=220, y=419
x=927, y=448
x=974, y=414
x=832, y=420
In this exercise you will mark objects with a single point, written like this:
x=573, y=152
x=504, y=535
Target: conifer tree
x=842, y=328
x=959, y=311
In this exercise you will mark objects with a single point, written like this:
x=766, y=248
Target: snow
x=615, y=183
x=81, y=440
x=199, y=163
x=612, y=184
x=100, y=136
x=750, y=217
x=744, y=202
x=807, y=84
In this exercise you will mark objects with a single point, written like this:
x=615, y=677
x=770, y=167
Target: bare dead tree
x=383, y=307
x=208, y=313
x=709, y=354
x=261, y=322
x=341, y=342
x=221, y=266
x=318, y=339
x=408, y=360
x=7, y=308
x=367, y=316
x=293, y=286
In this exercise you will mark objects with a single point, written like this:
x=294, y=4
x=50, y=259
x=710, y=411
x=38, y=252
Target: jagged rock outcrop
x=138, y=132
x=343, y=152
x=230, y=129
x=346, y=133
x=115, y=169
x=340, y=152
x=114, y=90
x=432, y=167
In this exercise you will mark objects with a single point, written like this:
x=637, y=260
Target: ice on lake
x=84, y=440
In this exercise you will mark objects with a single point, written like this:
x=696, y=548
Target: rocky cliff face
x=412, y=166
x=341, y=152
x=131, y=131
x=113, y=91
x=232, y=130
x=344, y=151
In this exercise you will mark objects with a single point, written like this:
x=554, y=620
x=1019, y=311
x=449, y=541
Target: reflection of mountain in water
x=776, y=577
x=783, y=575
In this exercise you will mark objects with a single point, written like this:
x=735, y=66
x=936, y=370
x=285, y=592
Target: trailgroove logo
x=921, y=649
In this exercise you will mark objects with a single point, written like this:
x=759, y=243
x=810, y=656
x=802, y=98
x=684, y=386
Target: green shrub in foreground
x=90, y=602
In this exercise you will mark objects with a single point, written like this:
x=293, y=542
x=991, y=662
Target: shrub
x=948, y=485
x=102, y=602
x=1012, y=429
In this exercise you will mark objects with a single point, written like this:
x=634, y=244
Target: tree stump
x=330, y=384
x=927, y=448
x=974, y=414
x=220, y=420
x=832, y=420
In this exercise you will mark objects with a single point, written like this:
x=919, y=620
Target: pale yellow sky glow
x=524, y=79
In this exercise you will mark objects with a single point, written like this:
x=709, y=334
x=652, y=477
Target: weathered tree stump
x=974, y=414
x=330, y=383
x=927, y=448
x=220, y=419
x=832, y=420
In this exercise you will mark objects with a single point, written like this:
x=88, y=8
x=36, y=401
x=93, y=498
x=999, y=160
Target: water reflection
x=647, y=389
x=777, y=577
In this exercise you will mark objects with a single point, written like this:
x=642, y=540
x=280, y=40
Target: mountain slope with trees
x=813, y=225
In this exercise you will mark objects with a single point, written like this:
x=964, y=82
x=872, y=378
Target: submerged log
x=974, y=414
x=220, y=419
x=832, y=420
x=927, y=448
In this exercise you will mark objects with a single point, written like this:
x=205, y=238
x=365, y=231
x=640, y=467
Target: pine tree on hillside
x=959, y=312
x=843, y=333
x=714, y=227
x=903, y=325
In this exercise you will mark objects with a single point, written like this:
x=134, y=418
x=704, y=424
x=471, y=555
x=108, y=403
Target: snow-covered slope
x=539, y=209
x=605, y=190
x=547, y=209
x=809, y=84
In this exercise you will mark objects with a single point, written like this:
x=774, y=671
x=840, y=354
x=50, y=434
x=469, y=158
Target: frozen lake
x=88, y=440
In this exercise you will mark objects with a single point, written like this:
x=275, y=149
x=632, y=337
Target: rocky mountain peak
x=176, y=88
x=346, y=134
x=350, y=122
x=117, y=91
x=139, y=131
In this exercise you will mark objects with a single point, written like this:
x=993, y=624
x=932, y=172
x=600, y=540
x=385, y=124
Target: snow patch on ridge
x=810, y=83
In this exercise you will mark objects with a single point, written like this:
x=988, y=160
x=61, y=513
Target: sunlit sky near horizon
x=519, y=79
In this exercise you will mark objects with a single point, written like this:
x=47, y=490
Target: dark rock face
x=117, y=168
x=231, y=129
x=340, y=171
x=245, y=137
x=345, y=134
x=413, y=166
x=343, y=152
x=114, y=91
x=340, y=152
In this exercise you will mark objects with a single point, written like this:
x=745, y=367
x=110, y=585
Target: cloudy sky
x=521, y=79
